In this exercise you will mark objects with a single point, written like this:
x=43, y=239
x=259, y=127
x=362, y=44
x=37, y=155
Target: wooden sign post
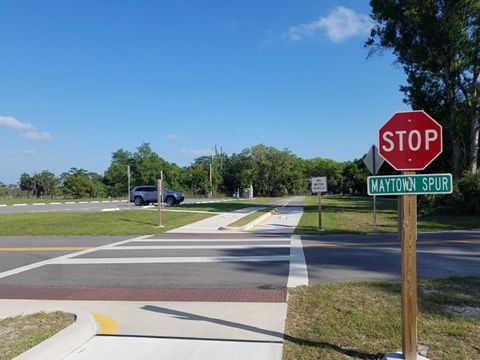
x=319, y=185
x=407, y=232
x=159, y=201
x=319, y=199
x=409, y=141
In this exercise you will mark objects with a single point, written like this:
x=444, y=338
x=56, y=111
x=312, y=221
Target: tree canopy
x=438, y=44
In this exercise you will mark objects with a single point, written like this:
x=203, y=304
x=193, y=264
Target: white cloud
x=17, y=153
x=197, y=152
x=26, y=129
x=11, y=122
x=342, y=23
x=34, y=135
x=172, y=136
x=27, y=152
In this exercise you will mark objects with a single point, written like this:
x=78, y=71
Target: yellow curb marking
x=430, y=242
x=66, y=248
x=109, y=326
x=268, y=217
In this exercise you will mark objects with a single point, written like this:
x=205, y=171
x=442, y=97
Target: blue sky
x=80, y=80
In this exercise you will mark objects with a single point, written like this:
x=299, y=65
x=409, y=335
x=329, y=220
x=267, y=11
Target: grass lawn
x=20, y=333
x=133, y=222
x=352, y=215
x=362, y=320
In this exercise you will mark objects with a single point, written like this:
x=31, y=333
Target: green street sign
x=410, y=184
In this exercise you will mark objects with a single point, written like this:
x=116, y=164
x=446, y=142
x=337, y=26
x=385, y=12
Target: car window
x=146, y=189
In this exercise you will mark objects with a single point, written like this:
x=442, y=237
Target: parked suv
x=144, y=195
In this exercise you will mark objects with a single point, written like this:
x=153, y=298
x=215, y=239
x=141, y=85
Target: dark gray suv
x=146, y=194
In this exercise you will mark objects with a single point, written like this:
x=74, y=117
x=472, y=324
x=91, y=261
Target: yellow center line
x=429, y=242
x=65, y=248
x=108, y=325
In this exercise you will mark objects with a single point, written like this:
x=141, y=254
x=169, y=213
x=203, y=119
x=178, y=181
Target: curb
x=250, y=224
x=66, y=341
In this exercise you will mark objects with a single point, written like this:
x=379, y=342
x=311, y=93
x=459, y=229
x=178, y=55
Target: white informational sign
x=319, y=184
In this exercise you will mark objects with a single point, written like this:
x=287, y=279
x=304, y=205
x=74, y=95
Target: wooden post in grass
x=319, y=198
x=407, y=232
x=159, y=201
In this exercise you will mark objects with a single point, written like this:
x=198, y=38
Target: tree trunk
x=474, y=134
x=456, y=158
x=474, y=121
x=452, y=124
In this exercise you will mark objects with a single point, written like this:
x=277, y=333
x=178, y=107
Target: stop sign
x=410, y=140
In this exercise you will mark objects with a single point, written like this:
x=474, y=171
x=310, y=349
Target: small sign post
x=159, y=201
x=319, y=185
x=374, y=161
x=128, y=186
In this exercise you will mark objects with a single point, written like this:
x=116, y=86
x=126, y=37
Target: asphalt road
x=79, y=206
x=236, y=261
x=338, y=258
x=145, y=262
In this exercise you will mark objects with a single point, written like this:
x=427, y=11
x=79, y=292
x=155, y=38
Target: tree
x=115, y=178
x=79, y=186
x=329, y=168
x=81, y=183
x=355, y=175
x=26, y=183
x=237, y=172
x=45, y=183
x=42, y=184
x=438, y=44
x=271, y=172
x=147, y=165
x=197, y=180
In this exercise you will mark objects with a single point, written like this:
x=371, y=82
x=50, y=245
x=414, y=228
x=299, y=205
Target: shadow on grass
x=328, y=346
x=141, y=222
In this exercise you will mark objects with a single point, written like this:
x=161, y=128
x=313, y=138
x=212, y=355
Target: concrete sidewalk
x=220, y=222
x=160, y=330
x=163, y=330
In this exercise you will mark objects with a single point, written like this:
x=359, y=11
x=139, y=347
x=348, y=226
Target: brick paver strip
x=144, y=294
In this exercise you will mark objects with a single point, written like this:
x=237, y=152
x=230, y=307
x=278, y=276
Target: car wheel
x=138, y=201
x=170, y=200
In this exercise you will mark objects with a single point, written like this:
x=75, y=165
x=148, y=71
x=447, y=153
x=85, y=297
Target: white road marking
x=298, y=274
x=196, y=247
x=168, y=260
x=64, y=257
x=215, y=240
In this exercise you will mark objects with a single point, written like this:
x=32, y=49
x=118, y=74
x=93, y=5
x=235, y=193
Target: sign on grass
x=319, y=184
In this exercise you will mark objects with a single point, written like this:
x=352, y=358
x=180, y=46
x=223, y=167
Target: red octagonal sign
x=410, y=140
